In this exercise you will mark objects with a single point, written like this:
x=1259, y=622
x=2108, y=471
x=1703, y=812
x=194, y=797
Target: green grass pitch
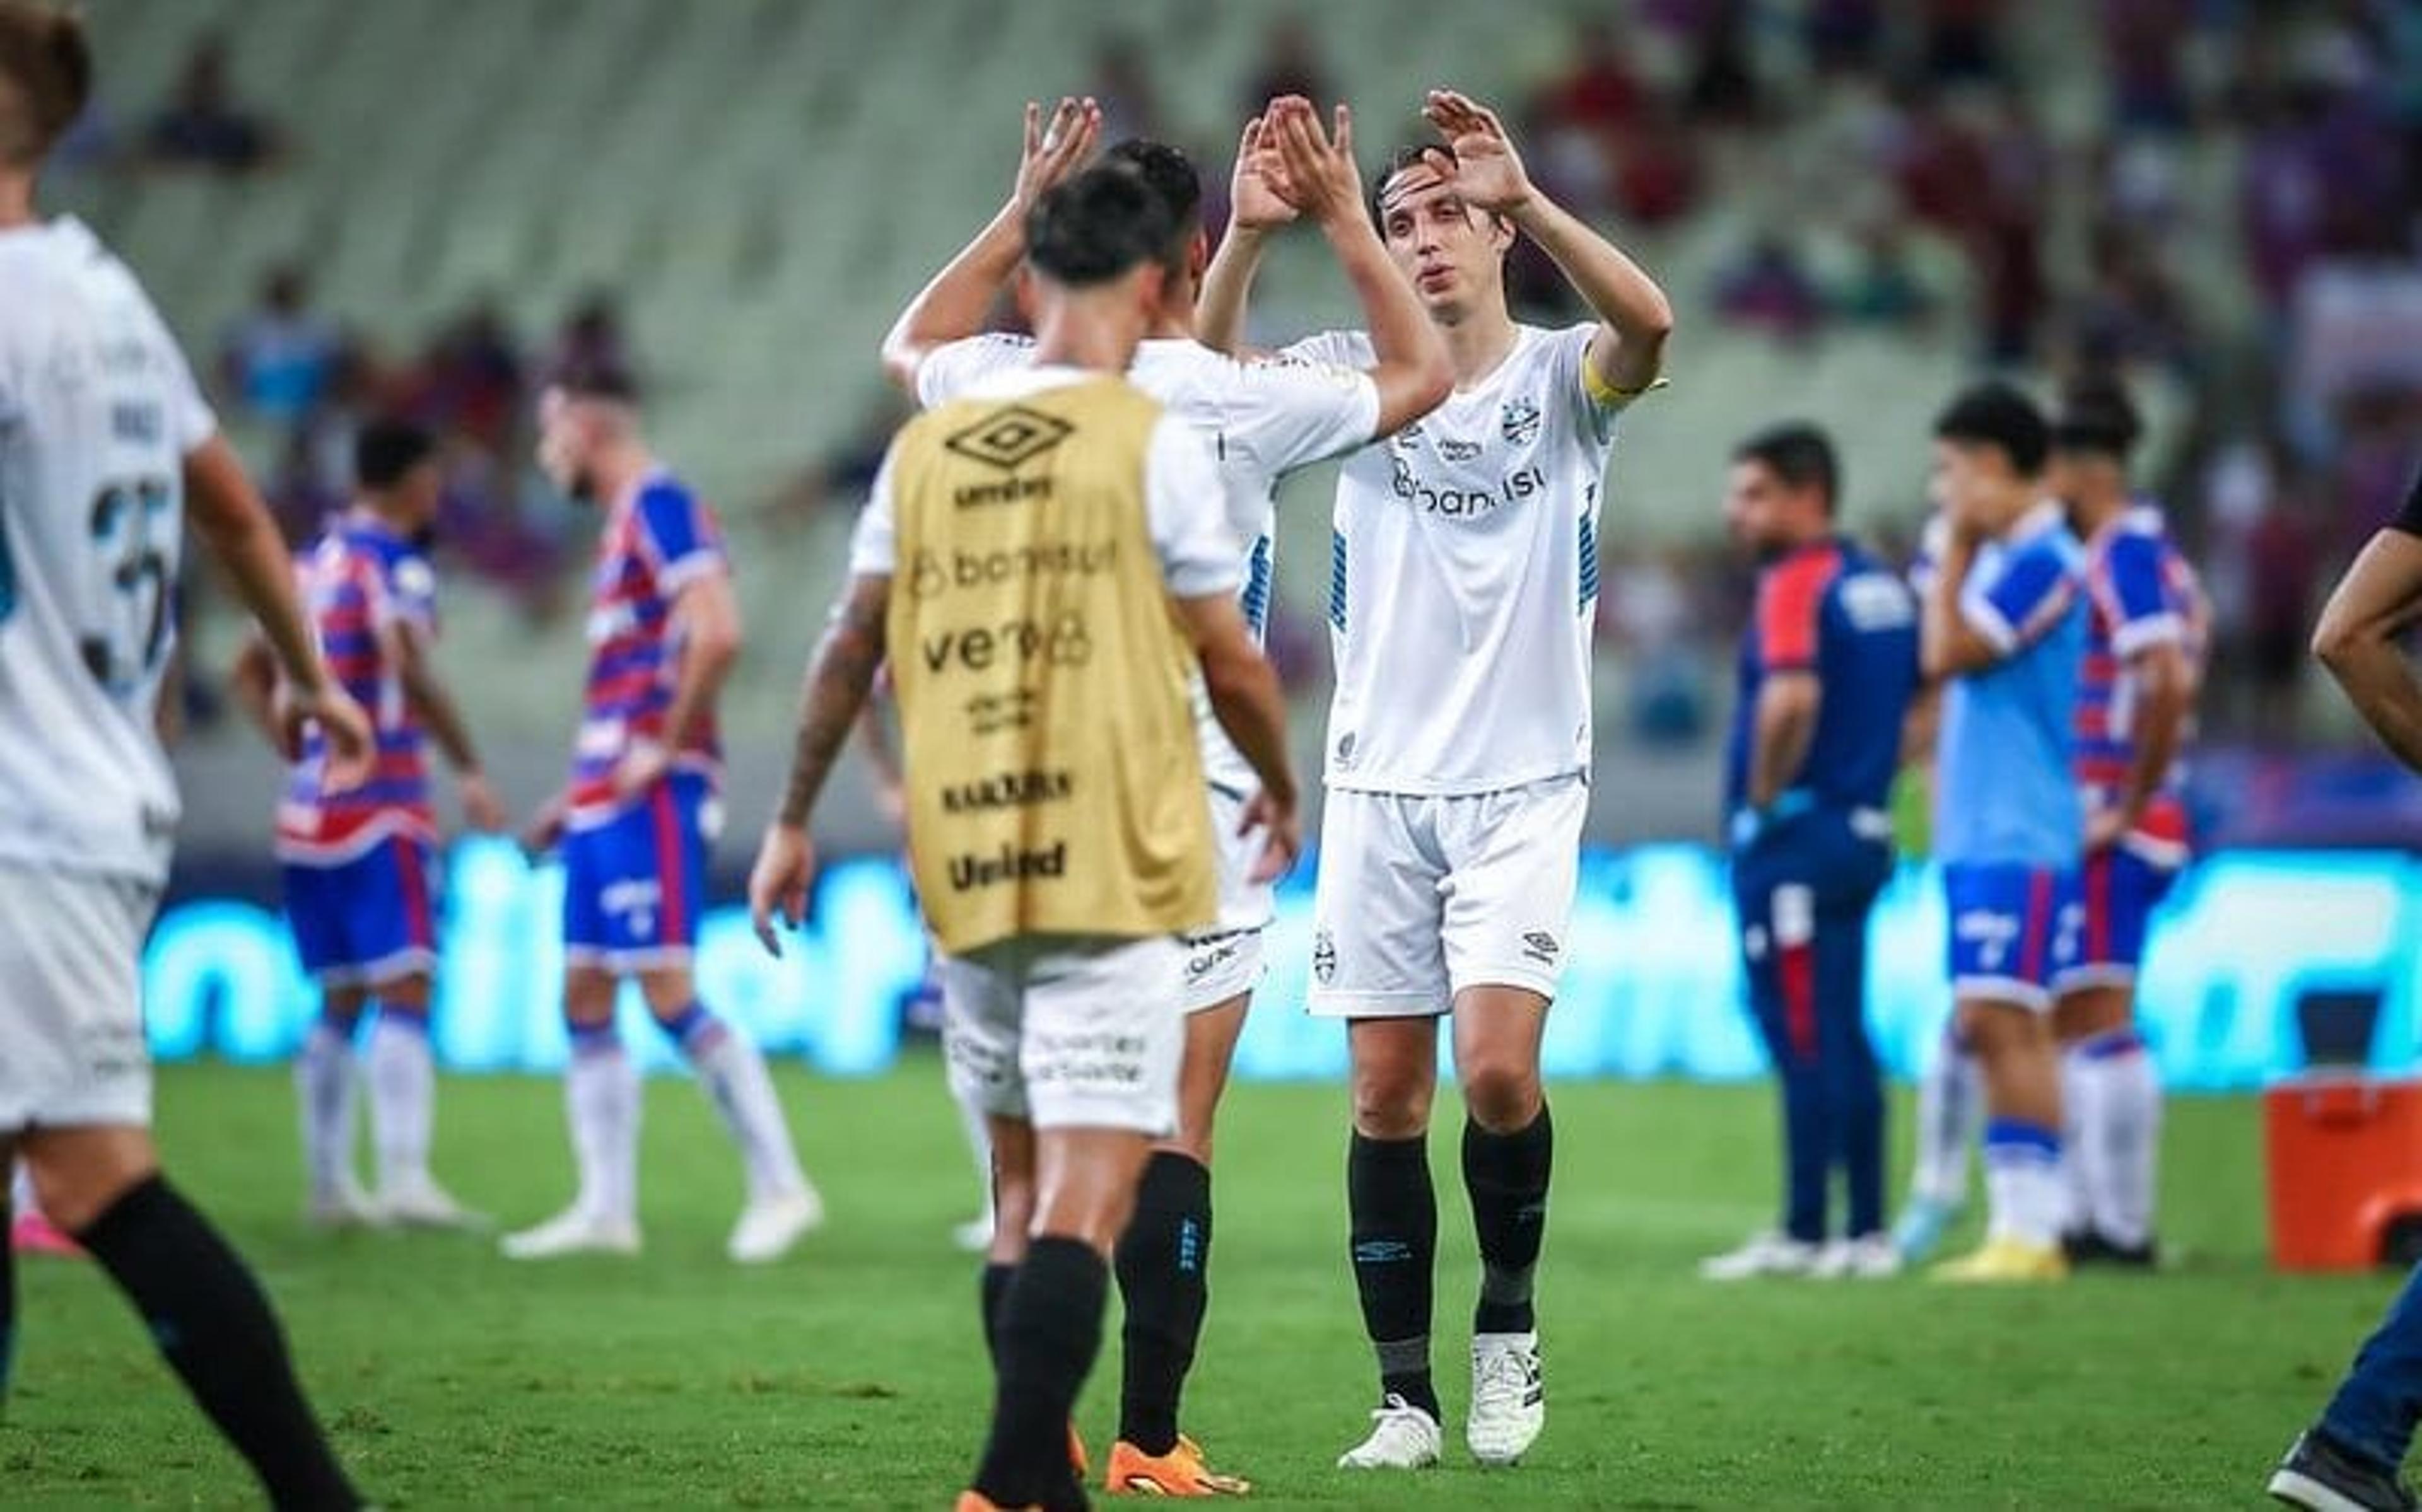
x=849, y=1376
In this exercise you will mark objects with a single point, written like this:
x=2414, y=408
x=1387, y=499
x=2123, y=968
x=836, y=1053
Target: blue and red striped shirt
x=2142, y=593
x=659, y=539
x=363, y=586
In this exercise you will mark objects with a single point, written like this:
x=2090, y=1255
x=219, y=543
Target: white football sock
x=2082, y=1162
x=602, y=1098
x=2022, y=1182
x=403, y=1093
x=733, y=1074
x=323, y=1085
x=2128, y=1091
x=1950, y=1096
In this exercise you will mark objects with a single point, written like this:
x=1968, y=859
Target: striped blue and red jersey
x=1830, y=609
x=2141, y=593
x=659, y=539
x=364, y=587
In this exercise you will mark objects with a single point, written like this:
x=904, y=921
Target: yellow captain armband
x=1605, y=394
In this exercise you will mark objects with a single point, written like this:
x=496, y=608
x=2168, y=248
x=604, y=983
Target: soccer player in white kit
x=1264, y=421
x=1464, y=577
x=103, y=439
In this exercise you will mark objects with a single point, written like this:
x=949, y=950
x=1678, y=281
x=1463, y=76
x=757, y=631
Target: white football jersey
x=1463, y=578
x=1263, y=420
x=98, y=412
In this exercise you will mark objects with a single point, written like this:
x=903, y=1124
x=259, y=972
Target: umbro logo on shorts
x=1208, y=959
x=1541, y=946
x=1324, y=957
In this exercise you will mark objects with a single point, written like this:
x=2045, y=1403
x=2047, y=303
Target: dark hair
x=385, y=451
x=1096, y=226
x=1995, y=413
x=2095, y=414
x=1170, y=174
x=596, y=378
x=1798, y=453
x=1407, y=156
x=46, y=63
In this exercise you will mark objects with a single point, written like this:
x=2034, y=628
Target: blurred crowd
x=2216, y=196
x=2232, y=210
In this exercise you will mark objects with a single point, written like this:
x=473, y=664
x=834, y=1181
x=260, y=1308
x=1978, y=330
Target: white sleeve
x=872, y=549
x=1330, y=348
x=950, y=369
x=1186, y=512
x=1291, y=413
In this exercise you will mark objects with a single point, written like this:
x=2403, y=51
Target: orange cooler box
x=2344, y=1153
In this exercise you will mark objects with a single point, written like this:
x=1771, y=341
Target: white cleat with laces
x=1509, y=1402
x=1403, y=1437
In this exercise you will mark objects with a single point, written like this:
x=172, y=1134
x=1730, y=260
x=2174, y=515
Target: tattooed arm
x=837, y=685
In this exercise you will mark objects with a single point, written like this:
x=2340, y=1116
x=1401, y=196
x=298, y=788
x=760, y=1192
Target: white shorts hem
x=2016, y=992
x=628, y=961
x=2102, y=974
x=1377, y=1004
x=378, y=972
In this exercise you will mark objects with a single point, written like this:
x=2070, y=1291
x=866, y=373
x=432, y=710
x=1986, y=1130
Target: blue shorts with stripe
x=2015, y=928
x=634, y=885
x=368, y=920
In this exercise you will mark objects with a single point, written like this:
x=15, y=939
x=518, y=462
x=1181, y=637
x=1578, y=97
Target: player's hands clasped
x=1052, y=152
x=1485, y=171
x=1280, y=824
x=351, y=747
x=777, y=883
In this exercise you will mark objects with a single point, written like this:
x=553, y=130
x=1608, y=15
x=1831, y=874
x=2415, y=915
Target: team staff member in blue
x=1827, y=669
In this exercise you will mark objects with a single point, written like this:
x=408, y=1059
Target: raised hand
x=1486, y=173
x=1258, y=189
x=1320, y=180
x=1050, y=153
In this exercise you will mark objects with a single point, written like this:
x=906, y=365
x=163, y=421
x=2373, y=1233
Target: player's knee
x=1501, y=1092
x=76, y=1184
x=1391, y=1102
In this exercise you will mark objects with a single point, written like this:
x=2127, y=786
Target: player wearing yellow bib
x=1044, y=562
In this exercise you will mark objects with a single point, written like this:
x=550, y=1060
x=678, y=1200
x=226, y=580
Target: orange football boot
x=1179, y=1472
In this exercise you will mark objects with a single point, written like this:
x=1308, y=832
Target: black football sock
x=1395, y=1216
x=214, y=1327
x=995, y=1287
x=1162, y=1262
x=1506, y=1175
x=1050, y=1330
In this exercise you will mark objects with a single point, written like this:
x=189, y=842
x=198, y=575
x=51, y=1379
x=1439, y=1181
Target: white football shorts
x=1067, y=1031
x=1421, y=898
x=1226, y=961
x=71, y=1047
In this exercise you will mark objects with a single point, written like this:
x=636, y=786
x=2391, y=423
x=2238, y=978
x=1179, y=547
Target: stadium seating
x=762, y=189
